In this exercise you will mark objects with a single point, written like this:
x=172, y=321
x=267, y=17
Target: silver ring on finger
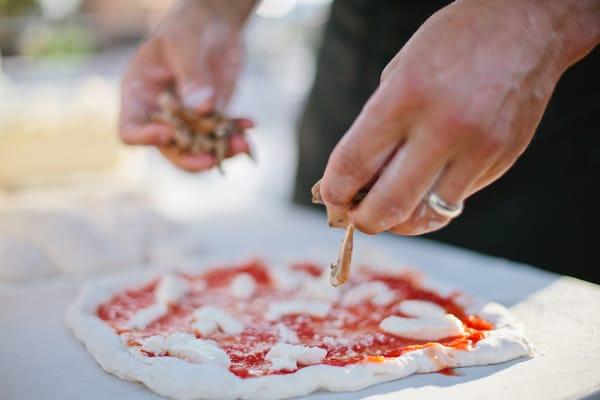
x=441, y=207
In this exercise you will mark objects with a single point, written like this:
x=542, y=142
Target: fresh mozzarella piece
x=145, y=316
x=331, y=341
x=318, y=309
x=178, y=338
x=170, y=289
x=284, y=356
x=283, y=364
x=243, y=286
x=420, y=308
x=199, y=351
x=424, y=328
x=154, y=345
x=288, y=279
x=227, y=323
x=320, y=289
x=376, y=291
x=205, y=327
x=287, y=335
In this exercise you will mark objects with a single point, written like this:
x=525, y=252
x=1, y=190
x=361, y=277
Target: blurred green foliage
x=57, y=41
x=17, y=7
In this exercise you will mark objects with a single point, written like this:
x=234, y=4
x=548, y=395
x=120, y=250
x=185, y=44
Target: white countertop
x=40, y=359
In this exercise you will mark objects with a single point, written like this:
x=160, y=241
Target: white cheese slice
x=176, y=338
x=284, y=356
x=286, y=335
x=318, y=309
x=170, y=289
x=420, y=308
x=209, y=316
x=199, y=351
x=320, y=289
x=376, y=291
x=155, y=345
x=145, y=316
x=335, y=341
x=424, y=328
x=243, y=286
x=288, y=279
x=205, y=327
x=283, y=364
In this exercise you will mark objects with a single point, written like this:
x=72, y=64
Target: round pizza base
x=179, y=379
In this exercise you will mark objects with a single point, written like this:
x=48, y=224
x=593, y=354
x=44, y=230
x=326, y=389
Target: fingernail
x=199, y=99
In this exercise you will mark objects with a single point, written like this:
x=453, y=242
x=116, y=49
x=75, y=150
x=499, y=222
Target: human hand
x=196, y=52
x=454, y=110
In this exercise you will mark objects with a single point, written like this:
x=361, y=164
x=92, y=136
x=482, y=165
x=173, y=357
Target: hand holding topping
x=454, y=110
x=198, y=134
x=195, y=54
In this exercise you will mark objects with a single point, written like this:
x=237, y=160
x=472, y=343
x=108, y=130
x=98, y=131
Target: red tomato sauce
x=448, y=371
x=220, y=277
x=309, y=267
x=349, y=334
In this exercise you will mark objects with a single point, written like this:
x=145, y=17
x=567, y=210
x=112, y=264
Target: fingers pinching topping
x=208, y=133
x=340, y=270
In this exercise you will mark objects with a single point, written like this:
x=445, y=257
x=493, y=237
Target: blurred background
x=66, y=181
x=73, y=199
x=60, y=66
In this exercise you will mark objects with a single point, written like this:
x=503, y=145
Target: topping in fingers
x=199, y=134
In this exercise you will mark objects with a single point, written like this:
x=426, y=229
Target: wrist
x=573, y=27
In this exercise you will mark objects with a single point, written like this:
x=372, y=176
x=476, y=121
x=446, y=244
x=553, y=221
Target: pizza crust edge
x=179, y=379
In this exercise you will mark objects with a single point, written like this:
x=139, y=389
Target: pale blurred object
x=275, y=8
x=57, y=9
x=283, y=8
x=71, y=242
x=21, y=260
x=47, y=134
x=83, y=237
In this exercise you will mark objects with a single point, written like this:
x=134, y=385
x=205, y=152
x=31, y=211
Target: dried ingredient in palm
x=199, y=133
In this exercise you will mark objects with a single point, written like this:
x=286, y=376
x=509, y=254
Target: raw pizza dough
x=20, y=260
x=37, y=244
x=181, y=366
x=72, y=242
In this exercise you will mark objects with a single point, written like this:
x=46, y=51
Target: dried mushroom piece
x=340, y=270
x=194, y=133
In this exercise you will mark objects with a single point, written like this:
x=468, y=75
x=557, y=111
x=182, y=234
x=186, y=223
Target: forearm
x=236, y=11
